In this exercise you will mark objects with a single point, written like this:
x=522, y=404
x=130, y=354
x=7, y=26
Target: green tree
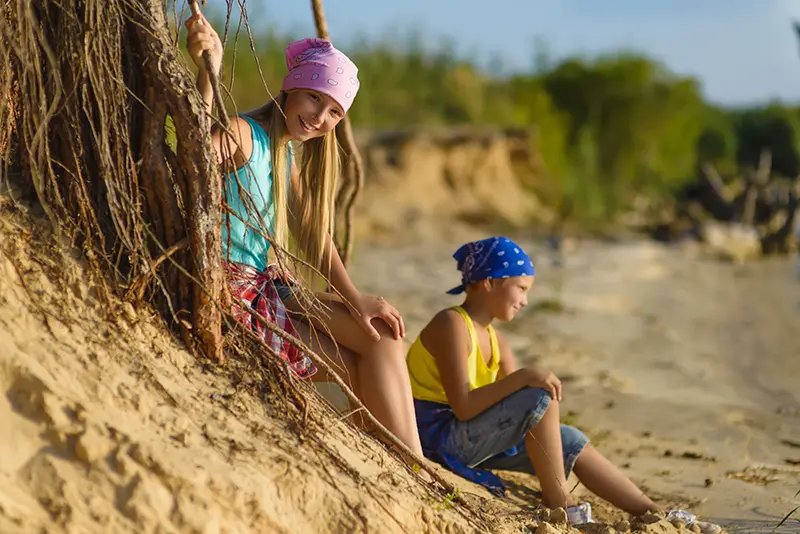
x=775, y=128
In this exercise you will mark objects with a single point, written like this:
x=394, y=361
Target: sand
x=682, y=369
x=116, y=428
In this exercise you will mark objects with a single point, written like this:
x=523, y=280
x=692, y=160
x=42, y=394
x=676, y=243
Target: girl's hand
x=365, y=308
x=201, y=37
x=540, y=378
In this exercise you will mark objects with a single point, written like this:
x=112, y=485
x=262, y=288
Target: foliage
x=608, y=129
x=773, y=127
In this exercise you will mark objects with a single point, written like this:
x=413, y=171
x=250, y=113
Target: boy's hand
x=541, y=378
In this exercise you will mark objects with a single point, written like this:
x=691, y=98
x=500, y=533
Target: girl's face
x=311, y=114
x=508, y=296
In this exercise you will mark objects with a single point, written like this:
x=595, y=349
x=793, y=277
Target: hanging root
x=354, y=165
x=87, y=88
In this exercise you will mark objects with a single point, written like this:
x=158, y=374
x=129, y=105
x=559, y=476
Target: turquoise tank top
x=240, y=243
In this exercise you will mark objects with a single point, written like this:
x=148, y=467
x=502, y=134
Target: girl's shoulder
x=238, y=144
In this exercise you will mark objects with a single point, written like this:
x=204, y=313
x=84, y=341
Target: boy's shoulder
x=444, y=333
x=446, y=316
x=446, y=321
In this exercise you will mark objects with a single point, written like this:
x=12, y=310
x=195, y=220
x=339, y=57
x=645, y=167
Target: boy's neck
x=477, y=312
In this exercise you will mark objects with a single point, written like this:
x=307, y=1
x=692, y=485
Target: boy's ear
x=487, y=285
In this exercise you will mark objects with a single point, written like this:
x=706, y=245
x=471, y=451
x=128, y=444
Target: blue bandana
x=495, y=257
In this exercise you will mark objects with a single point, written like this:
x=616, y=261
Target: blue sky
x=743, y=51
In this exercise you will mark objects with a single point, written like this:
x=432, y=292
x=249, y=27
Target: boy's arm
x=507, y=363
x=537, y=378
x=447, y=339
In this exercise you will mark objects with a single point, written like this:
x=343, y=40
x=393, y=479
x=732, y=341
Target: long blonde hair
x=320, y=167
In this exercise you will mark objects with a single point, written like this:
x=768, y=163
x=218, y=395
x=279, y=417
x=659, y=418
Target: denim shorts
x=482, y=441
x=285, y=292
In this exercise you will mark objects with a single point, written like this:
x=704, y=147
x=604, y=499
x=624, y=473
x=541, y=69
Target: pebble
x=128, y=312
x=546, y=528
x=559, y=515
x=622, y=526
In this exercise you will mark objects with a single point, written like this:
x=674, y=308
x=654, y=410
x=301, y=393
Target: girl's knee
x=395, y=348
x=388, y=348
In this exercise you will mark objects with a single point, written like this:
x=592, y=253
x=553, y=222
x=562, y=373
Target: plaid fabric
x=255, y=290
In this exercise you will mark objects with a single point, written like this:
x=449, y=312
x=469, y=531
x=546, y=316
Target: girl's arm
x=201, y=37
x=447, y=339
x=364, y=308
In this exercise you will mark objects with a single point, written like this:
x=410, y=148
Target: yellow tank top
x=426, y=383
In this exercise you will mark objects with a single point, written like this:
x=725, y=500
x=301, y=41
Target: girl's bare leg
x=602, y=478
x=543, y=444
x=341, y=359
x=379, y=368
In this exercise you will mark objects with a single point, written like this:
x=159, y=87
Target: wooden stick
x=136, y=289
x=213, y=76
x=354, y=163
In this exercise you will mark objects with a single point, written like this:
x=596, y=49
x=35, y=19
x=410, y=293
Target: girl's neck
x=264, y=121
x=477, y=312
x=286, y=138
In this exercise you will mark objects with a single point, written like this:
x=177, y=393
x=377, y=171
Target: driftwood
x=765, y=204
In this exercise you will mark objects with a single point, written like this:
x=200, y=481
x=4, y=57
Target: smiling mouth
x=305, y=125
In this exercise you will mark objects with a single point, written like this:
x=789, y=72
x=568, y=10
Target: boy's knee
x=573, y=439
x=535, y=402
x=535, y=396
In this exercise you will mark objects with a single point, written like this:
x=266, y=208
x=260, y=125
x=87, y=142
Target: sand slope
x=114, y=428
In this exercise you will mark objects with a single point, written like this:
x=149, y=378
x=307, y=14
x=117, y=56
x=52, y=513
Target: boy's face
x=509, y=295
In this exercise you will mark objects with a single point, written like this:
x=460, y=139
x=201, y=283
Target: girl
x=270, y=194
x=476, y=410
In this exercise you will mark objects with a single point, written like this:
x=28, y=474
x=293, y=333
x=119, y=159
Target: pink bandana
x=315, y=64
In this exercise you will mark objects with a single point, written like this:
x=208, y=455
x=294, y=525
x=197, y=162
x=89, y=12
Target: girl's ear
x=487, y=285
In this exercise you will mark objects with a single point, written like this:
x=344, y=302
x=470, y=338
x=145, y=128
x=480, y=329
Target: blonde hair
x=320, y=167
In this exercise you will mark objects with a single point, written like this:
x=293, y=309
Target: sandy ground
x=682, y=369
x=679, y=368
x=116, y=428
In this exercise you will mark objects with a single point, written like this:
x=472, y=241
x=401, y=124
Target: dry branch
x=204, y=185
x=86, y=88
x=354, y=165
